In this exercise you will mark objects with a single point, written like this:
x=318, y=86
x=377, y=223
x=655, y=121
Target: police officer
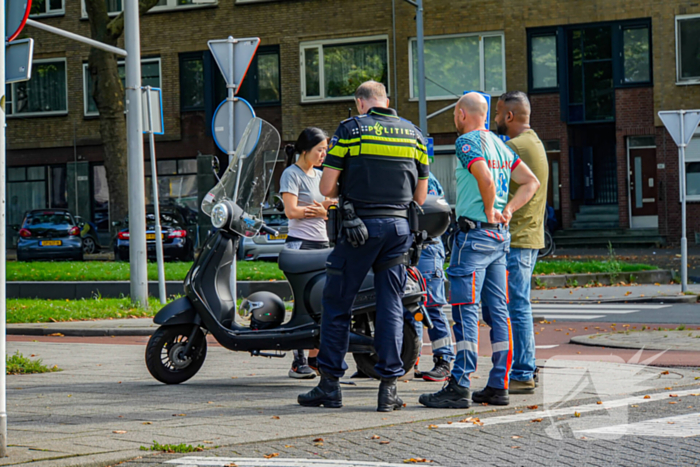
x=478, y=262
x=378, y=163
x=432, y=260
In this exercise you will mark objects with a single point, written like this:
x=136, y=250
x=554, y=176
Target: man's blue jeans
x=521, y=264
x=430, y=265
x=478, y=273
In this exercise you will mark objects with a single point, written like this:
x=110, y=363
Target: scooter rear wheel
x=409, y=353
x=164, y=358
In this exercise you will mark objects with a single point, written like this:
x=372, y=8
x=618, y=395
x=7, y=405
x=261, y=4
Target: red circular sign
x=16, y=14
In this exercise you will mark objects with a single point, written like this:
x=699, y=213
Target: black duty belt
x=466, y=224
x=380, y=212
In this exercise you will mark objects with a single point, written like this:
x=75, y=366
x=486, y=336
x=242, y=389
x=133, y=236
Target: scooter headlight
x=219, y=215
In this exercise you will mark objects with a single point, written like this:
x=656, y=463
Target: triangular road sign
x=234, y=57
x=672, y=122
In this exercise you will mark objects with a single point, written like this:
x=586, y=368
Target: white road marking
x=546, y=346
x=571, y=317
x=531, y=415
x=602, y=305
x=277, y=462
x=681, y=426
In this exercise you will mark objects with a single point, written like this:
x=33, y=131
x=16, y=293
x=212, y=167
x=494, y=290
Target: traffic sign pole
x=134, y=138
x=156, y=201
x=3, y=246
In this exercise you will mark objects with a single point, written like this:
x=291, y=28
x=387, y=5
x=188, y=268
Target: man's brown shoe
x=521, y=387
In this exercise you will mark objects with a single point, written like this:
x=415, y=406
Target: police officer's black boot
x=451, y=396
x=388, y=400
x=326, y=394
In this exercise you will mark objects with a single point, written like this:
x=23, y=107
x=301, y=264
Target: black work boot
x=326, y=394
x=440, y=372
x=492, y=396
x=451, y=396
x=387, y=399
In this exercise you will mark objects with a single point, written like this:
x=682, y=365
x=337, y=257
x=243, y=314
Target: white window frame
x=322, y=85
x=52, y=113
x=679, y=80
x=481, y=36
x=50, y=13
x=86, y=113
x=171, y=6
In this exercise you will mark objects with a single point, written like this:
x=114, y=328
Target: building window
x=114, y=7
x=26, y=190
x=692, y=170
x=45, y=94
x=192, y=82
x=454, y=64
x=636, y=54
x=543, y=60
x=688, y=48
x=261, y=85
x=150, y=76
x=334, y=69
x=47, y=7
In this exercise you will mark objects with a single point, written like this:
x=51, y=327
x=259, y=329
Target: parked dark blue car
x=177, y=230
x=49, y=234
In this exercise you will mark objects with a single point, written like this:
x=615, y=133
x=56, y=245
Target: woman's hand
x=315, y=210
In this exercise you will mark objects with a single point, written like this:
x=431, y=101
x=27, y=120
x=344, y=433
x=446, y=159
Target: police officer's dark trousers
x=347, y=267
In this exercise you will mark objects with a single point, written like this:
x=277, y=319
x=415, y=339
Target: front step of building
x=597, y=217
x=601, y=237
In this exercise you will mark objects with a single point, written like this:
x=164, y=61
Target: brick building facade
x=638, y=55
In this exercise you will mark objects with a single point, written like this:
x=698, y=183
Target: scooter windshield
x=250, y=171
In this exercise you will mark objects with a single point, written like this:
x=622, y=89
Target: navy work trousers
x=346, y=268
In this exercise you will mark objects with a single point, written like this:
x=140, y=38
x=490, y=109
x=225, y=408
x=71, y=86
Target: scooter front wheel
x=165, y=354
x=409, y=353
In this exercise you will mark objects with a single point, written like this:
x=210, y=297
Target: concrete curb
x=665, y=299
x=636, y=340
x=660, y=276
x=20, y=330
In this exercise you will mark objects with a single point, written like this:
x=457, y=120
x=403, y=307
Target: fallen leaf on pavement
x=668, y=389
x=696, y=394
x=664, y=372
x=179, y=415
x=635, y=405
x=232, y=464
x=147, y=423
x=537, y=420
x=288, y=446
x=275, y=417
x=533, y=407
x=673, y=402
x=375, y=437
x=413, y=460
x=384, y=442
x=270, y=456
x=516, y=437
x=577, y=414
x=647, y=397
x=466, y=420
x=673, y=395
x=318, y=444
x=318, y=440
x=119, y=432
x=515, y=447
x=671, y=423
x=599, y=402
x=432, y=427
x=199, y=449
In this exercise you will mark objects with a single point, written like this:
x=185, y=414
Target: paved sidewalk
x=688, y=340
x=104, y=405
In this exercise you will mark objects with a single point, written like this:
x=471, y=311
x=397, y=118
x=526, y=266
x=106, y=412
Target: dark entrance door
x=593, y=164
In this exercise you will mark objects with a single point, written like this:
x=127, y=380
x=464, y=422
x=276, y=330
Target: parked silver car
x=265, y=246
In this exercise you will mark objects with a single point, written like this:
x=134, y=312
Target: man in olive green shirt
x=527, y=235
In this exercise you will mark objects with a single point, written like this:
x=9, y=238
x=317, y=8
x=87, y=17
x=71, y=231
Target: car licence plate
x=51, y=243
x=152, y=236
x=277, y=237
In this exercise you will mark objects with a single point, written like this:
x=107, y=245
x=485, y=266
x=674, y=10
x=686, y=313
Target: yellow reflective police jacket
x=382, y=158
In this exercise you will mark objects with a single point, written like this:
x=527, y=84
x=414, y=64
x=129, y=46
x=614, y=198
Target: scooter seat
x=301, y=261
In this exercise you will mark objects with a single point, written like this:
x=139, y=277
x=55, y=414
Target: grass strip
x=45, y=311
x=109, y=271
x=585, y=267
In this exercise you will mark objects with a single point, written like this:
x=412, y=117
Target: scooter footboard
x=179, y=311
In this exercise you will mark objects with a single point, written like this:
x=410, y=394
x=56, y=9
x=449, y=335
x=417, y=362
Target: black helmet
x=266, y=310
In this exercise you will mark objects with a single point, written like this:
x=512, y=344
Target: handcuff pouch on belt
x=334, y=223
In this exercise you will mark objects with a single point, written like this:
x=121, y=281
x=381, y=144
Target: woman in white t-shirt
x=305, y=208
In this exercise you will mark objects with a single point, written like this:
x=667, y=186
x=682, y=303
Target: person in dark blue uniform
x=378, y=163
